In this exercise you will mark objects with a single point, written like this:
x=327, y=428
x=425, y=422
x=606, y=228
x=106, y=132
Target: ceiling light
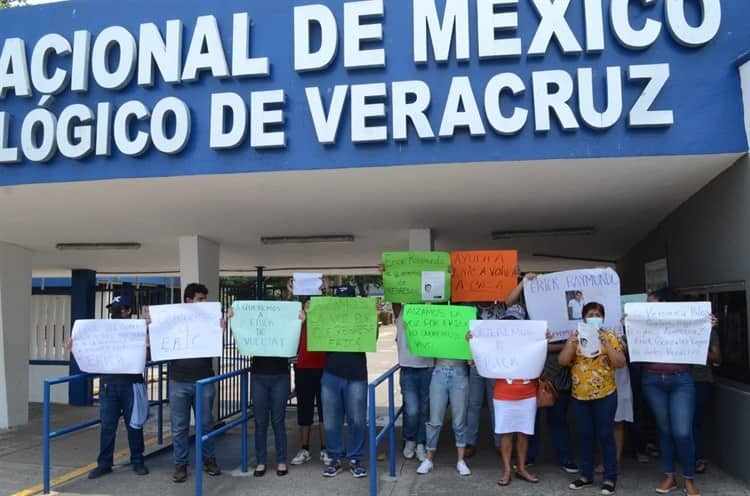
x=544, y=233
x=287, y=240
x=97, y=246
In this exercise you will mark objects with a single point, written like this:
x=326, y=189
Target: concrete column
x=420, y=240
x=15, y=331
x=82, y=306
x=199, y=262
x=743, y=64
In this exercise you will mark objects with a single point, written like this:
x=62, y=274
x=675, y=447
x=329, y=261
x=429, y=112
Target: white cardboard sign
x=185, y=330
x=509, y=349
x=110, y=346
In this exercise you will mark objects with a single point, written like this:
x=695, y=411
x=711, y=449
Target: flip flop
x=502, y=483
x=527, y=479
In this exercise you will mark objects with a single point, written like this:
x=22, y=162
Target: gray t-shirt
x=405, y=358
x=704, y=373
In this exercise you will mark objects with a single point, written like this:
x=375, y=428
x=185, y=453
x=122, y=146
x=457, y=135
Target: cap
x=515, y=312
x=120, y=301
x=344, y=291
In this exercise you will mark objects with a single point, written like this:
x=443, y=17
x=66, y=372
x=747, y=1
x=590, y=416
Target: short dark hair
x=665, y=294
x=592, y=306
x=193, y=289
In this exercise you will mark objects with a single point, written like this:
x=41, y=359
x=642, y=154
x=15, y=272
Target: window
x=729, y=304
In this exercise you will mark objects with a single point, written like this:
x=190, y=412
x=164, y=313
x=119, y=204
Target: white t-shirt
x=576, y=309
x=405, y=358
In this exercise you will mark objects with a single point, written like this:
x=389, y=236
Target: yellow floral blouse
x=594, y=378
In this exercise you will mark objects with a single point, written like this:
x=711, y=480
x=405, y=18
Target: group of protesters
x=605, y=393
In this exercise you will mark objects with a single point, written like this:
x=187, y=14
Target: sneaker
x=462, y=468
x=140, y=469
x=99, y=471
x=570, y=468
x=421, y=453
x=608, y=488
x=333, y=469
x=211, y=467
x=410, y=449
x=425, y=467
x=357, y=469
x=180, y=473
x=579, y=484
x=303, y=456
x=324, y=457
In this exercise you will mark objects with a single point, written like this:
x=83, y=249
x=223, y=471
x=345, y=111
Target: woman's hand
x=714, y=320
x=302, y=315
x=548, y=335
x=469, y=336
x=68, y=344
x=530, y=276
x=573, y=338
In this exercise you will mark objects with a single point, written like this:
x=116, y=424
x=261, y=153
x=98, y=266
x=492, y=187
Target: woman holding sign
x=595, y=396
x=670, y=391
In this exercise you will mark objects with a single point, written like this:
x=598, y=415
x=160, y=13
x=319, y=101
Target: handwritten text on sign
x=404, y=282
x=483, y=275
x=114, y=346
x=342, y=324
x=267, y=328
x=509, y=349
x=438, y=331
x=668, y=332
x=559, y=298
x=185, y=330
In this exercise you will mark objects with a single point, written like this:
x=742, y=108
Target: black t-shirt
x=121, y=379
x=191, y=369
x=347, y=365
x=269, y=366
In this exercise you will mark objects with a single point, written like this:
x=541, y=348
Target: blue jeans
x=415, y=389
x=672, y=399
x=115, y=401
x=480, y=389
x=596, y=420
x=269, y=394
x=344, y=400
x=703, y=393
x=559, y=429
x=181, y=400
x=448, y=384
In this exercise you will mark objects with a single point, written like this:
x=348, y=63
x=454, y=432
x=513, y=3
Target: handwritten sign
x=267, y=328
x=668, y=332
x=342, y=324
x=438, y=331
x=307, y=284
x=483, y=275
x=509, y=349
x=185, y=330
x=409, y=276
x=114, y=346
x=559, y=299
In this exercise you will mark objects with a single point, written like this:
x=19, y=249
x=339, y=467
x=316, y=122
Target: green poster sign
x=417, y=276
x=267, y=328
x=439, y=331
x=342, y=324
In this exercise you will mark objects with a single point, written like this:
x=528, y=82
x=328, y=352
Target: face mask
x=597, y=321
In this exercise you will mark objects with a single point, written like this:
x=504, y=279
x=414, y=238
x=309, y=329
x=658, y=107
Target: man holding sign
x=183, y=374
x=344, y=383
x=119, y=395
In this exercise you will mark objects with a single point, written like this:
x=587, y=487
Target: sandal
x=701, y=466
x=259, y=473
x=527, y=477
x=504, y=480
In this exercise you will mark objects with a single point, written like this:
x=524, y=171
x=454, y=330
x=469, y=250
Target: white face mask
x=597, y=321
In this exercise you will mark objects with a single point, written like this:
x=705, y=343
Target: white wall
x=37, y=375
